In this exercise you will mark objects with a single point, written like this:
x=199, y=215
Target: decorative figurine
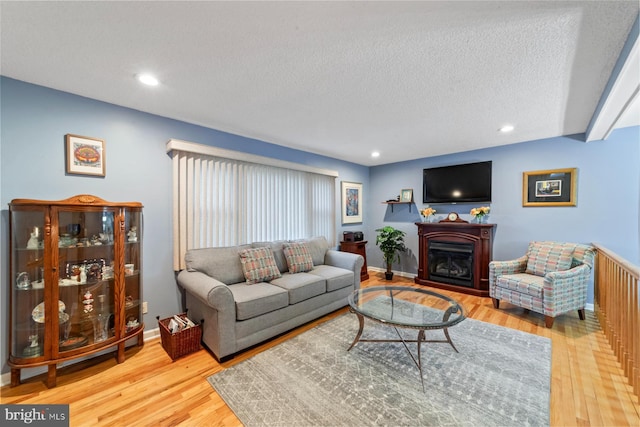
x=83, y=274
x=87, y=301
x=132, y=323
x=33, y=242
x=34, y=340
x=94, y=272
x=33, y=349
x=133, y=234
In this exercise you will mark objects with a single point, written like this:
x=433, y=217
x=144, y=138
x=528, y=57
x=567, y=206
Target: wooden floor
x=587, y=386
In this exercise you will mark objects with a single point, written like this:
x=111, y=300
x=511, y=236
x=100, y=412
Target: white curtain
x=224, y=202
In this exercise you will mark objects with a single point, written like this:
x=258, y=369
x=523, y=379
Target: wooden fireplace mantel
x=480, y=235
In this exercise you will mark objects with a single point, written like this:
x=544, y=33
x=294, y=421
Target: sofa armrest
x=346, y=260
x=208, y=290
x=211, y=300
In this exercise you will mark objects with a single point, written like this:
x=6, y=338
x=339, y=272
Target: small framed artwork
x=406, y=195
x=85, y=155
x=351, y=202
x=556, y=187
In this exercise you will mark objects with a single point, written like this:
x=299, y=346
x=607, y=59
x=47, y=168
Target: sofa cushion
x=222, y=264
x=259, y=265
x=546, y=257
x=301, y=286
x=524, y=283
x=260, y=298
x=298, y=257
x=277, y=248
x=337, y=278
x=318, y=247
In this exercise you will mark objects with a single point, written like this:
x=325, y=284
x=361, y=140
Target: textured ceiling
x=409, y=79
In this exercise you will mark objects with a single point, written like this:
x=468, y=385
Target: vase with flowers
x=480, y=214
x=428, y=214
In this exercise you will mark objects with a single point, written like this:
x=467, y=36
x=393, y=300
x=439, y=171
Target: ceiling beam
x=621, y=95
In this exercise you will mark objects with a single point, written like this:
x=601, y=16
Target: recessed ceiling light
x=506, y=128
x=375, y=154
x=147, y=79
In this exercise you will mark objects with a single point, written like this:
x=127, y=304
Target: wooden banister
x=617, y=307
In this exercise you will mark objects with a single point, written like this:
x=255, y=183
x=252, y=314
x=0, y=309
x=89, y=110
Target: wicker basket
x=181, y=343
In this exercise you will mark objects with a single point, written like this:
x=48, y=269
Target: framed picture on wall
x=406, y=195
x=351, y=202
x=556, y=187
x=85, y=155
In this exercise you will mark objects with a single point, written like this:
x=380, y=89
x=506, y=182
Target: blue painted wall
x=34, y=122
x=608, y=199
x=35, y=119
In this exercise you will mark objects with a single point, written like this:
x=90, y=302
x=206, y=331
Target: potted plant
x=391, y=242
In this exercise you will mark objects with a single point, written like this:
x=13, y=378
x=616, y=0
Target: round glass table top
x=407, y=307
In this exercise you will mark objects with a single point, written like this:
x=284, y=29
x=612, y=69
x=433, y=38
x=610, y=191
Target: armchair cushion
x=523, y=283
x=547, y=257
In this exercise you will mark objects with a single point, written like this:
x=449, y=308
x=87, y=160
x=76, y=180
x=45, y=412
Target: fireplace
x=451, y=262
x=455, y=256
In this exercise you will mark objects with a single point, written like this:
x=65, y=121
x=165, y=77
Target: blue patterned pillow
x=259, y=265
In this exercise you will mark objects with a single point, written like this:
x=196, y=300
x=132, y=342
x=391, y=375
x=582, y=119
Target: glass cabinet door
x=27, y=282
x=132, y=269
x=86, y=277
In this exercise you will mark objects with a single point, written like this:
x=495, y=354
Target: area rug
x=501, y=377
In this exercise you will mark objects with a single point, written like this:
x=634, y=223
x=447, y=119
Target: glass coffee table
x=406, y=307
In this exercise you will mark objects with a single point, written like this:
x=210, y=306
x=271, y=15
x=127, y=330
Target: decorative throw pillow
x=545, y=257
x=259, y=265
x=298, y=257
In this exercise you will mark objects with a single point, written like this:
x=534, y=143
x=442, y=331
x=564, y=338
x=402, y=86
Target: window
x=226, y=198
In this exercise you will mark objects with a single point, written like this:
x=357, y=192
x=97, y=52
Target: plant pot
x=388, y=275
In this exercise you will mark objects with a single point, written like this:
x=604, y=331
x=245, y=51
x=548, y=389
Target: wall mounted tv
x=468, y=183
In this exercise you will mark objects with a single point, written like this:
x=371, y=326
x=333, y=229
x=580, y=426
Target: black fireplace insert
x=451, y=262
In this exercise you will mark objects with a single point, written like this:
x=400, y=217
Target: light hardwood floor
x=587, y=385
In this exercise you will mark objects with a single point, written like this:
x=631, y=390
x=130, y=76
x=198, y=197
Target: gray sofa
x=238, y=315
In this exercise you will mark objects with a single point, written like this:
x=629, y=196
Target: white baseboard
x=5, y=379
x=397, y=273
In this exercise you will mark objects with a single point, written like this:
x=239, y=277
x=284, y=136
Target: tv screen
x=468, y=183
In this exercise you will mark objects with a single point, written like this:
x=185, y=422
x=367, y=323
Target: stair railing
x=617, y=306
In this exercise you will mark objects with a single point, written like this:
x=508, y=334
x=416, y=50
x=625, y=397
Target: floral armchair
x=551, y=279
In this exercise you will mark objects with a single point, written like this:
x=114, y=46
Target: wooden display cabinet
x=75, y=280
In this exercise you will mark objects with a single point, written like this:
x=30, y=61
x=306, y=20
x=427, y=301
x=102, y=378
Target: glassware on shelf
x=101, y=322
x=22, y=281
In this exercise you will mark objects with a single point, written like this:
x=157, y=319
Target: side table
x=360, y=249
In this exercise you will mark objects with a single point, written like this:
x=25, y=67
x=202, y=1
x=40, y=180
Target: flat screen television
x=467, y=183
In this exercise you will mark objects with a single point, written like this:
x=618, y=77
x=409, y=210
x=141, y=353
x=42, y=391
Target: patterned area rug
x=501, y=377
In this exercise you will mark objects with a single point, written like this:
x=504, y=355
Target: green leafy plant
x=391, y=242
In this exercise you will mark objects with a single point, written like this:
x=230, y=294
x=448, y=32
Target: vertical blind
x=224, y=202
